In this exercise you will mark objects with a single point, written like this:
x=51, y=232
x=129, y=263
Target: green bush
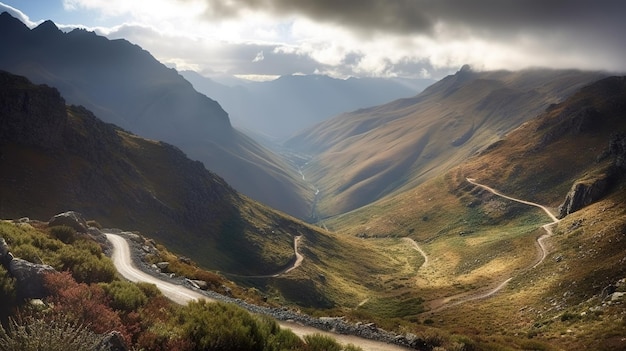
x=217, y=326
x=7, y=295
x=64, y=233
x=149, y=289
x=125, y=296
x=29, y=253
x=86, y=267
x=319, y=342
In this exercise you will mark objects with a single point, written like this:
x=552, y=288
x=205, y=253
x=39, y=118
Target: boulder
x=134, y=237
x=97, y=235
x=29, y=278
x=583, y=194
x=201, y=284
x=617, y=296
x=71, y=219
x=163, y=265
x=113, y=341
x=5, y=254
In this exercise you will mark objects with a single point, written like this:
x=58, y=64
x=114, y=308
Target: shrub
x=86, y=267
x=149, y=289
x=7, y=294
x=29, y=253
x=217, y=326
x=49, y=335
x=93, y=223
x=82, y=303
x=212, y=279
x=277, y=339
x=64, y=233
x=125, y=296
x=319, y=342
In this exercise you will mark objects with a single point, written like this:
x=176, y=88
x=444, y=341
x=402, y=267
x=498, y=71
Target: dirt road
x=123, y=262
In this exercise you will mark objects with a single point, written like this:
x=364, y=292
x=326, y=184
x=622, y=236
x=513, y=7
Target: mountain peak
x=466, y=69
x=10, y=24
x=47, y=28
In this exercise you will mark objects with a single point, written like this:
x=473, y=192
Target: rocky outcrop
x=71, y=219
x=583, y=194
x=617, y=150
x=30, y=115
x=29, y=278
x=113, y=341
x=5, y=255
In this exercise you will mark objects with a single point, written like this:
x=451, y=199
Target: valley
x=484, y=212
x=121, y=257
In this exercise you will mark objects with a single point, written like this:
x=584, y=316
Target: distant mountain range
x=125, y=85
x=277, y=109
x=362, y=156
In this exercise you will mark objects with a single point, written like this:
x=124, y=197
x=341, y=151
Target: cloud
x=422, y=16
x=404, y=38
x=259, y=57
x=17, y=14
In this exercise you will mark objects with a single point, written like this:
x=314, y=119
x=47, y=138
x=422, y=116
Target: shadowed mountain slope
x=56, y=157
x=362, y=156
x=281, y=107
x=125, y=85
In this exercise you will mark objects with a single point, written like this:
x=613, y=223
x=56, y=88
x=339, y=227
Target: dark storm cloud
x=420, y=16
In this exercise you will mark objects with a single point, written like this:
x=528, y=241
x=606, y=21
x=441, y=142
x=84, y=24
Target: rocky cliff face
x=583, y=194
x=20, y=101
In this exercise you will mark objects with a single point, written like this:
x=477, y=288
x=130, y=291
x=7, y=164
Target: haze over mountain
x=125, y=85
x=283, y=106
x=361, y=156
x=57, y=157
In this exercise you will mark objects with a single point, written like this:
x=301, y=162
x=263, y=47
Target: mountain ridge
x=281, y=107
x=388, y=148
x=123, y=84
x=54, y=156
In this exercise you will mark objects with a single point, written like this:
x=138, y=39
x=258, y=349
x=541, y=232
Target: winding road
x=547, y=227
x=439, y=304
x=296, y=264
x=179, y=294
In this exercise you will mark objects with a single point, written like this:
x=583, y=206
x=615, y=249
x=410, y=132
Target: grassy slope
x=560, y=302
x=365, y=155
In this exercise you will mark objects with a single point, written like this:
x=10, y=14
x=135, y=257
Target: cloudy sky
x=341, y=38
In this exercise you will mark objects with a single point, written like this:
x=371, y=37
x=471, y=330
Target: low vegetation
x=81, y=308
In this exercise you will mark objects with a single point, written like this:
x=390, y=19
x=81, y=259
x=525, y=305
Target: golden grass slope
x=476, y=240
x=365, y=155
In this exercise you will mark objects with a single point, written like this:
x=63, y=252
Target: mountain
x=276, y=109
x=364, y=155
x=55, y=158
x=125, y=85
x=564, y=291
